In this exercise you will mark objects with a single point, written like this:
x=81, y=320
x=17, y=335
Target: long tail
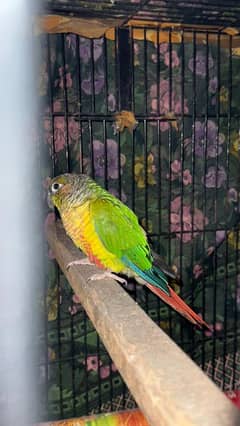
x=179, y=305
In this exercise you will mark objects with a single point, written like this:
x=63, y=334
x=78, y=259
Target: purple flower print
x=218, y=326
x=187, y=177
x=192, y=222
x=59, y=133
x=163, y=48
x=165, y=55
x=92, y=363
x=197, y=271
x=64, y=73
x=238, y=292
x=85, y=49
x=214, y=140
x=57, y=106
x=164, y=101
x=98, y=84
x=111, y=102
x=106, y=369
x=175, y=59
x=200, y=66
x=71, y=40
x=176, y=168
x=220, y=236
x=213, y=84
x=76, y=306
x=73, y=129
x=232, y=195
x=112, y=158
x=215, y=178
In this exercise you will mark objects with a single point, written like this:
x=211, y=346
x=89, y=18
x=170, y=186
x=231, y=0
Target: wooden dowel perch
x=168, y=387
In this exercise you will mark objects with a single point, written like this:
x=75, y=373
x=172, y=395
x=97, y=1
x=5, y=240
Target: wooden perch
x=168, y=387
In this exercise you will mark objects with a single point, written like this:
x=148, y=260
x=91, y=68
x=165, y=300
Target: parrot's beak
x=49, y=201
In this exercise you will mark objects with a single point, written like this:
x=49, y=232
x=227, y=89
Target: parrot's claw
x=107, y=274
x=84, y=261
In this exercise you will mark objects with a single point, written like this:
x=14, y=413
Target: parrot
x=109, y=234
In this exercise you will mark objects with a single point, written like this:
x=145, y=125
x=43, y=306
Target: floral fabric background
x=179, y=171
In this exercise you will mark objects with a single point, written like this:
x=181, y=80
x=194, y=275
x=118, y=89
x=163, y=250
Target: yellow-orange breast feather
x=80, y=227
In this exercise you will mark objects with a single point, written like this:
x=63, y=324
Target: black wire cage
x=152, y=113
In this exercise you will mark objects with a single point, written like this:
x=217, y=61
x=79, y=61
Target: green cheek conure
x=108, y=232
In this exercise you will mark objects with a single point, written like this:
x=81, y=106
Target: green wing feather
x=119, y=231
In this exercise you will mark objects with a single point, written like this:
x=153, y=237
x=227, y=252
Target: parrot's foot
x=84, y=261
x=107, y=274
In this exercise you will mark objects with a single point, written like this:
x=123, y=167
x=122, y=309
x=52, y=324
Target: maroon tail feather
x=179, y=305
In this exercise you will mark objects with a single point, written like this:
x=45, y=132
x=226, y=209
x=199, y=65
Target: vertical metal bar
x=133, y=133
x=193, y=172
x=117, y=70
x=111, y=384
x=205, y=189
x=105, y=58
x=235, y=324
x=158, y=72
x=182, y=158
x=131, y=59
x=133, y=136
x=79, y=102
x=159, y=150
x=159, y=142
x=91, y=147
x=92, y=75
x=145, y=73
x=50, y=86
x=159, y=192
x=118, y=103
x=170, y=71
x=215, y=213
x=145, y=144
x=121, y=72
x=170, y=162
x=57, y=268
x=145, y=131
x=124, y=68
x=105, y=154
x=98, y=375
x=86, y=385
x=119, y=166
x=60, y=362
x=225, y=323
x=159, y=138
x=66, y=115
x=65, y=96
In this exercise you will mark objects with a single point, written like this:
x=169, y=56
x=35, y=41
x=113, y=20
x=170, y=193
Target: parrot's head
x=69, y=190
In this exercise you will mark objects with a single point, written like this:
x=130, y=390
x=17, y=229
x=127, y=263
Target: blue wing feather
x=153, y=276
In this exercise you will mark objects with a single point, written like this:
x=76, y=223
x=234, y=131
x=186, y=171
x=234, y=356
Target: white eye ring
x=55, y=187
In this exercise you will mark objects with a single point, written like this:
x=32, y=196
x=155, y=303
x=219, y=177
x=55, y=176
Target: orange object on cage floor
x=124, y=418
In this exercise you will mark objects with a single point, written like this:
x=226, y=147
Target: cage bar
x=169, y=388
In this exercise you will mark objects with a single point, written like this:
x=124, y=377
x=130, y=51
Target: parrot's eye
x=55, y=187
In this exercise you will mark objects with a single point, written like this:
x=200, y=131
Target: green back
x=118, y=229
